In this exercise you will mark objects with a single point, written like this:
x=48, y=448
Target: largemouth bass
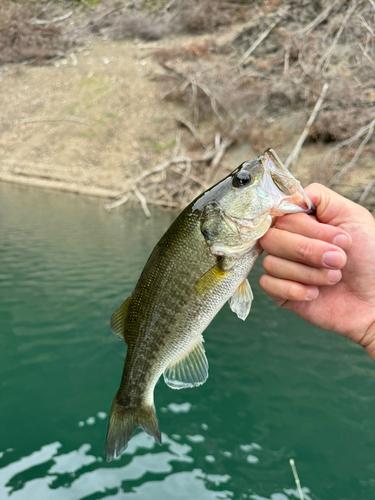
x=201, y=262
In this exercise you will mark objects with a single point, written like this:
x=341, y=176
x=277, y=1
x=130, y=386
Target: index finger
x=332, y=208
x=308, y=226
x=297, y=248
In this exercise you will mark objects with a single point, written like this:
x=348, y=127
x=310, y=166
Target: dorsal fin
x=118, y=319
x=190, y=370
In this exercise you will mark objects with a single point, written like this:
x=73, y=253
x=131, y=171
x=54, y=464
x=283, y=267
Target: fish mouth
x=298, y=202
x=287, y=191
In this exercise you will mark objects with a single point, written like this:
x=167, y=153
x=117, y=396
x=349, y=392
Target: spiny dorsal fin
x=189, y=371
x=118, y=319
x=241, y=300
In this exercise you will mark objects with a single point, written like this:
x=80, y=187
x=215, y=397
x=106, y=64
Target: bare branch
x=71, y=119
x=143, y=201
x=336, y=178
x=328, y=54
x=366, y=191
x=190, y=176
x=54, y=20
x=319, y=19
x=368, y=57
x=191, y=128
x=355, y=137
x=260, y=39
x=294, y=154
x=117, y=203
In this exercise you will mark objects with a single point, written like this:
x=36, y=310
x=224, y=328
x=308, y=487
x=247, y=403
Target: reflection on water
x=278, y=388
x=80, y=483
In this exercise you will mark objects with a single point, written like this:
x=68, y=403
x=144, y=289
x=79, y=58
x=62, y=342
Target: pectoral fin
x=118, y=320
x=189, y=371
x=209, y=280
x=241, y=300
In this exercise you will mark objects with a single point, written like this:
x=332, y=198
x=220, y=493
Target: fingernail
x=312, y=293
x=333, y=260
x=343, y=241
x=334, y=276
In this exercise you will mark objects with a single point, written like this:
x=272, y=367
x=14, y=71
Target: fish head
x=263, y=186
x=252, y=196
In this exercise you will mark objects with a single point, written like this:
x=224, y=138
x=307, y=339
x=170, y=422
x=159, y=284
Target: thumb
x=332, y=208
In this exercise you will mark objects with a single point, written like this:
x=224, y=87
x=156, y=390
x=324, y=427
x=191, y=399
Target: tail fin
x=122, y=424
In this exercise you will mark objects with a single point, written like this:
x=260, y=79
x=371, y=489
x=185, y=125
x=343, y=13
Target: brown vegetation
x=276, y=68
x=259, y=84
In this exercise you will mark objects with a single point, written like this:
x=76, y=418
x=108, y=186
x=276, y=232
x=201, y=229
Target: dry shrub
x=262, y=99
x=132, y=25
x=206, y=16
x=23, y=40
x=154, y=23
x=189, y=52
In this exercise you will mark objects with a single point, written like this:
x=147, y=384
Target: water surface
x=278, y=388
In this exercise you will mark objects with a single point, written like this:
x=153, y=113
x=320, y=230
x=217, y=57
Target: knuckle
x=263, y=281
x=304, y=250
x=292, y=291
x=268, y=263
x=314, y=277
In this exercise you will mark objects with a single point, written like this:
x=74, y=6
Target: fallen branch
x=143, y=201
x=220, y=152
x=355, y=137
x=74, y=120
x=54, y=20
x=194, y=132
x=260, y=39
x=123, y=197
x=336, y=178
x=294, y=154
x=319, y=19
x=366, y=25
x=328, y=54
x=366, y=191
x=190, y=176
x=368, y=57
x=117, y=203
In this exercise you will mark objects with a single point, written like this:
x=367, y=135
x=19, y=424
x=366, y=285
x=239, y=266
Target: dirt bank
x=161, y=120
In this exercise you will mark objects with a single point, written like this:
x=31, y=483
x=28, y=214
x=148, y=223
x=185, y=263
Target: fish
x=200, y=263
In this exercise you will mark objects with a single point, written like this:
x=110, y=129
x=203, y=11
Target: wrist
x=367, y=342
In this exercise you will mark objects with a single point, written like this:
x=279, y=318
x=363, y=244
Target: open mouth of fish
x=287, y=191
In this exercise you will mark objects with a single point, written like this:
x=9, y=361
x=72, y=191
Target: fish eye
x=242, y=179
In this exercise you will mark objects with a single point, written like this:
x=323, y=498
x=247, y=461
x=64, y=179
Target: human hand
x=322, y=268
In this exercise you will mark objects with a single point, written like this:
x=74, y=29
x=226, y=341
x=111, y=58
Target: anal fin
x=241, y=300
x=189, y=371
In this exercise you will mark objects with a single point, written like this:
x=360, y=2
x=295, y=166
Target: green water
x=278, y=388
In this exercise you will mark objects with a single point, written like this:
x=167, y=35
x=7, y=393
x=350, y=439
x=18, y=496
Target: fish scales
x=201, y=262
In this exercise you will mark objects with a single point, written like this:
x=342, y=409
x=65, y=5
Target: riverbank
x=161, y=120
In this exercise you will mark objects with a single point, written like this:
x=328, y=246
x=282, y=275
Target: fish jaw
x=288, y=194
